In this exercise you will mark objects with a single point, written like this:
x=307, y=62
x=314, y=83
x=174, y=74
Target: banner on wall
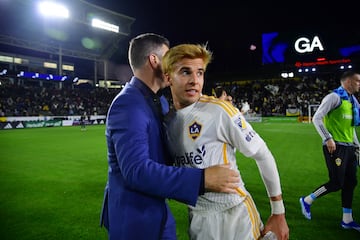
x=26, y=123
x=293, y=112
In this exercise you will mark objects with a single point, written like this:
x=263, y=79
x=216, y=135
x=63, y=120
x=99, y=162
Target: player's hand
x=220, y=178
x=278, y=225
x=331, y=146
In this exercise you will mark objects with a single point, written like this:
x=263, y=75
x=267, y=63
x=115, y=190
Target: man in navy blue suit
x=140, y=176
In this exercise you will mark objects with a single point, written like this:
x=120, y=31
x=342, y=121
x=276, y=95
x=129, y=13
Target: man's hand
x=278, y=225
x=331, y=146
x=220, y=178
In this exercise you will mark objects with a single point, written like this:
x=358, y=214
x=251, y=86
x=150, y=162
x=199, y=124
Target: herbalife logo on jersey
x=191, y=158
x=194, y=130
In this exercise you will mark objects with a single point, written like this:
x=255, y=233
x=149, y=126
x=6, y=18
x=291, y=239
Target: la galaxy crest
x=194, y=130
x=338, y=162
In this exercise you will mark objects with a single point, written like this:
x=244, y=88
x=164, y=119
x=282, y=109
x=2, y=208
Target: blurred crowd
x=41, y=101
x=274, y=97
x=265, y=97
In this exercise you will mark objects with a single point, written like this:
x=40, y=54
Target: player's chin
x=192, y=97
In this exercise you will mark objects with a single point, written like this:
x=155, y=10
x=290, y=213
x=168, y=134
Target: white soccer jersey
x=205, y=134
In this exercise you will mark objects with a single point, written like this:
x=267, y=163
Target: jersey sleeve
x=356, y=140
x=328, y=103
x=236, y=131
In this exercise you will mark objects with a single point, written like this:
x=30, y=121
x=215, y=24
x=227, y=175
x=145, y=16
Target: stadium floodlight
x=95, y=22
x=53, y=9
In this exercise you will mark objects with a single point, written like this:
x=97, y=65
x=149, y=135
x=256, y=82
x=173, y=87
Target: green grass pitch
x=52, y=182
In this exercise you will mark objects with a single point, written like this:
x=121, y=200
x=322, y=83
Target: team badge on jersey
x=240, y=121
x=194, y=130
x=338, y=162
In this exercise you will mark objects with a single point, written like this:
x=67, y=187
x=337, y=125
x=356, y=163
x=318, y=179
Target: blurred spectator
x=35, y=101
x=266, y=97
x=221, y=93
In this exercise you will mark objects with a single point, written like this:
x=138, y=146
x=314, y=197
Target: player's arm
x=328, y=103
x=357, y=146
x=269, y=173
x=356, y=140
x=239, y=133
x=236, y=131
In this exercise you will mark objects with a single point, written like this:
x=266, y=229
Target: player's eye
x=185, y=72
x=200, y=73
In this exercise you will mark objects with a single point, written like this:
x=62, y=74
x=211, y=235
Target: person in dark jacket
x=140, y=175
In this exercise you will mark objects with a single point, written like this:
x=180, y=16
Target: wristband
x=277, y=207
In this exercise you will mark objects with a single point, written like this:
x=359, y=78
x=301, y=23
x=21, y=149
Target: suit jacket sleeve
x=139, y=153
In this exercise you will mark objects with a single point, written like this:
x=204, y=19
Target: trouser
x=239, y=222
x=342, y=168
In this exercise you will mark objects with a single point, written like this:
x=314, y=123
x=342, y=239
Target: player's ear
x=167, y=79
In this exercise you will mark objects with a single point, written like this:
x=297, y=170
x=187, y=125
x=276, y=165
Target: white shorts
x=240, y=222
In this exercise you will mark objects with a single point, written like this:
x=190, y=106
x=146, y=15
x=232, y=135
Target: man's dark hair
x=142, y=46
x=347, y=74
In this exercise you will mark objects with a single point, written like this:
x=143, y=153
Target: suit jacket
x=139, y=182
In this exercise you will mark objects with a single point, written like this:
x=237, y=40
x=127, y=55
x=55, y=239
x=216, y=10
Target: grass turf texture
x=52, y=181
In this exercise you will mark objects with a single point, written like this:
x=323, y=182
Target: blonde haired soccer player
x=203, y=131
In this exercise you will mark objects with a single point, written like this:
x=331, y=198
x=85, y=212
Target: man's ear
x=153, y=59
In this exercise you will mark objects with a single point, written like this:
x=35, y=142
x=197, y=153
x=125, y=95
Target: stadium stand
x=41, y=101
x=272, y=97
x=266, y=97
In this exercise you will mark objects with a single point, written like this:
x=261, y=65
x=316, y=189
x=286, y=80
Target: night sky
x=230, y=27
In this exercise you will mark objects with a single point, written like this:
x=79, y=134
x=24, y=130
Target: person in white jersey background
x=221, y=93
x=203, y=131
